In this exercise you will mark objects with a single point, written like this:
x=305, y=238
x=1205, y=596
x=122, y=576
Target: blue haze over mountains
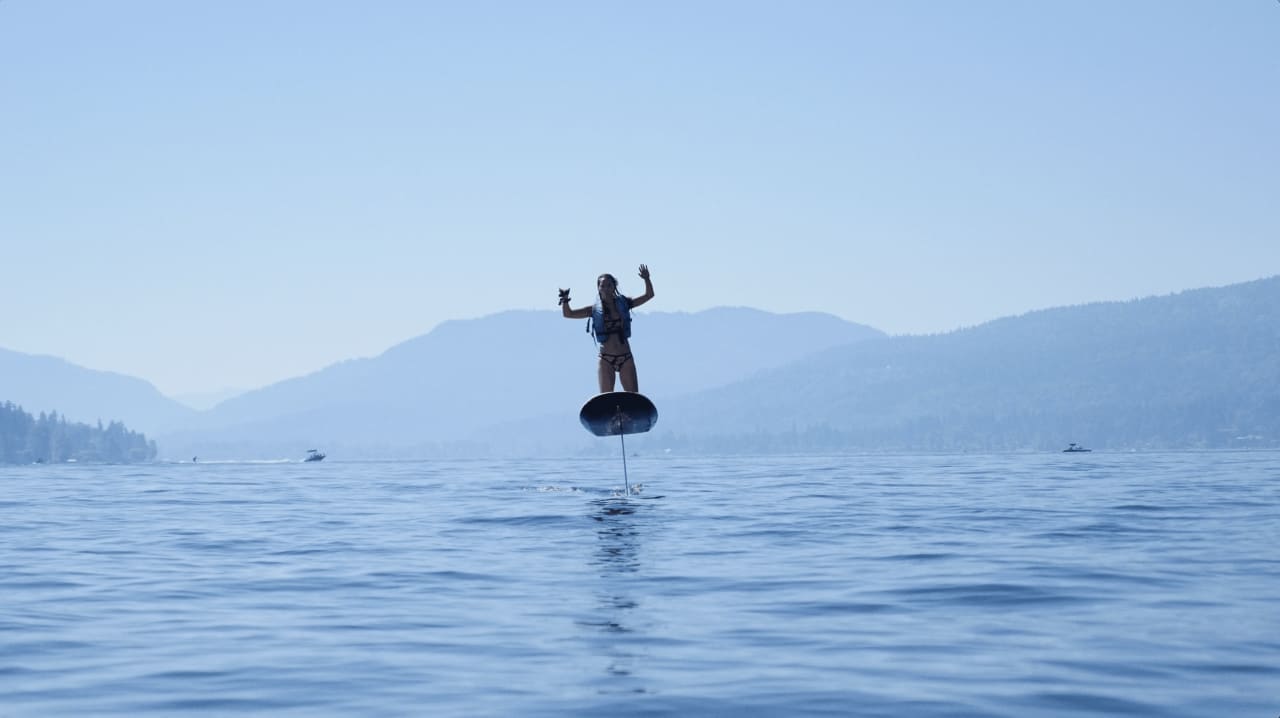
x=1198, y=369
x=507, y=383
x=47, y=384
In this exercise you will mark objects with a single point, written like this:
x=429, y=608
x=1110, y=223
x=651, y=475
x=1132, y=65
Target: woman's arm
x=582, y=313
x=648, y=288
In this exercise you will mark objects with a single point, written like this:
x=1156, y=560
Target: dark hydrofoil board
x=618, y=412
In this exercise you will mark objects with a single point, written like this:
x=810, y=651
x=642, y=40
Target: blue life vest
x=596, y=324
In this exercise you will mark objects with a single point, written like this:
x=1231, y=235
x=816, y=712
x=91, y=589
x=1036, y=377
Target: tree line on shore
x=50, y=438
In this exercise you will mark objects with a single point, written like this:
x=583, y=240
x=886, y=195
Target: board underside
x=618, y=412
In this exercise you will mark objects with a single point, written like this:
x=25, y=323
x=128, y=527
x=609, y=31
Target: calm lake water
x=1003, y=585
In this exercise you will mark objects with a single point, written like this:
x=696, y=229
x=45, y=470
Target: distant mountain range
x=204, y=400
x=1196, y=369
x=458, y=388
x=48, y=384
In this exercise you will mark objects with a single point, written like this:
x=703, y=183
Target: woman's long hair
x=611, y=278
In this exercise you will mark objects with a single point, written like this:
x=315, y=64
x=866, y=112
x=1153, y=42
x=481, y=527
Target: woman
x=611, y=325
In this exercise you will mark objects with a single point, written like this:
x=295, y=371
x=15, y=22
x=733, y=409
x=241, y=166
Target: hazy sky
x=226, y=194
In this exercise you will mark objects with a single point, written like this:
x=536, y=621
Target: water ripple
x=1004, y=585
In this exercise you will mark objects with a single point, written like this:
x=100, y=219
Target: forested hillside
x=50, y=438
x=1198, y=369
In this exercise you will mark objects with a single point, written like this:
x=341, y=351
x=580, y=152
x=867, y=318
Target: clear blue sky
x=226, y=194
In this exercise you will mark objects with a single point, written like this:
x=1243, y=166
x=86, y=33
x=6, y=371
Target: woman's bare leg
x=606, y=373
x=629, y=380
